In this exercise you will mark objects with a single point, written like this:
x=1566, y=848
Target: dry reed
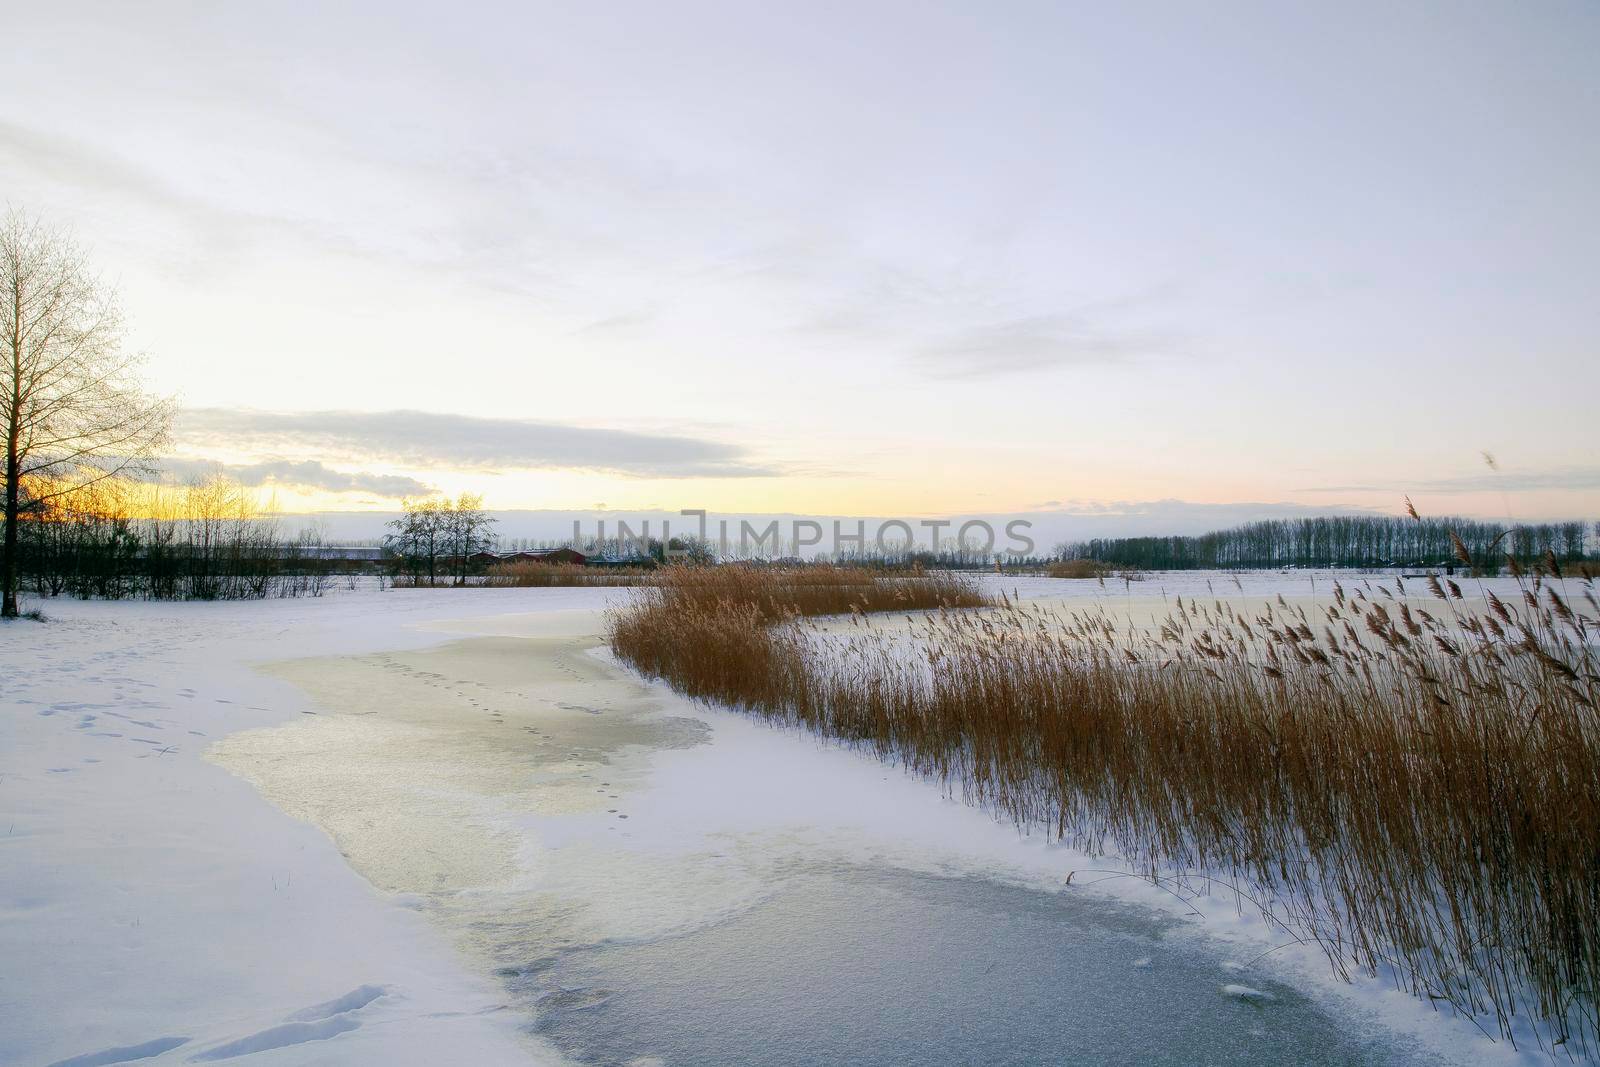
x=1079, y=568
x=546, y=575
x=1416, y=791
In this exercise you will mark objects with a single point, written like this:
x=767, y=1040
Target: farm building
x=540, y=555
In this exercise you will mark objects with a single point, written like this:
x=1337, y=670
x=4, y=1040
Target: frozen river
x=872, y=964
x=656, y=883
x=431, y=827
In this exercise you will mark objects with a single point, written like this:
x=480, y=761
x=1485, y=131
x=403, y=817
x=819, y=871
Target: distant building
x=541, y=555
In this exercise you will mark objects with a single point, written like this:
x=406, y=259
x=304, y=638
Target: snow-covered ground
x=147, y=895
x=155, y=905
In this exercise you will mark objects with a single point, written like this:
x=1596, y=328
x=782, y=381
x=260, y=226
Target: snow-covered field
x=147, y=895
x=506, y=793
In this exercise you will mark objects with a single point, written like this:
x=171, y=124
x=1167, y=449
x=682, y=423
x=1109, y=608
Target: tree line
x=115, y=539
x=1362, y=541
x=118, y=539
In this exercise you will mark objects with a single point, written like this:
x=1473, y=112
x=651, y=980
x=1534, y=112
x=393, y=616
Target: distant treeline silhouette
x=1340, y=541
x=120, y=540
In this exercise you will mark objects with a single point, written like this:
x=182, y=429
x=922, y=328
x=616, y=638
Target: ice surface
x=851, y=964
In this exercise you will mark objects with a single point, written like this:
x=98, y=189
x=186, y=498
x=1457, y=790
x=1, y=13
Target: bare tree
x=471, y=531
x=71, y=405
x=420, y=536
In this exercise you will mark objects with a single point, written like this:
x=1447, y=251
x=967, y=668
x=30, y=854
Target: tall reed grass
x=1413, y=788
x=544, y=575
x=1079, y=568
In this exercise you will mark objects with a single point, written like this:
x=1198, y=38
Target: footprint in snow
x=147, y=724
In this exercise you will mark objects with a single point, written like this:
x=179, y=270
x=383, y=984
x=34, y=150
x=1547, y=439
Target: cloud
x=1508, y=481
x=1346, y=489
x=1173, y=508
x=64, y=161
x=307, y=473
x=431, y=439
x=1031, y=343
x=626, y=321
x=1515, y=481
x=119, y=184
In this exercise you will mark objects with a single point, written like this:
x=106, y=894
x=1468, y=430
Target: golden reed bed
x=1411, y=784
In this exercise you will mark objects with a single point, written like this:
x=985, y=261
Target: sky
x=844, y=258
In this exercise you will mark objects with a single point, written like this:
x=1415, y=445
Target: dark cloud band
x=431, y=439
x=306, y=473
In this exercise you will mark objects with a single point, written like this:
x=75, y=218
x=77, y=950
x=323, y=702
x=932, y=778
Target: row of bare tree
x=1344, y=541
x=208, y=541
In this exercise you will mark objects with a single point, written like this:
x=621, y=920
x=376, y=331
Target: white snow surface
x=148, y=896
